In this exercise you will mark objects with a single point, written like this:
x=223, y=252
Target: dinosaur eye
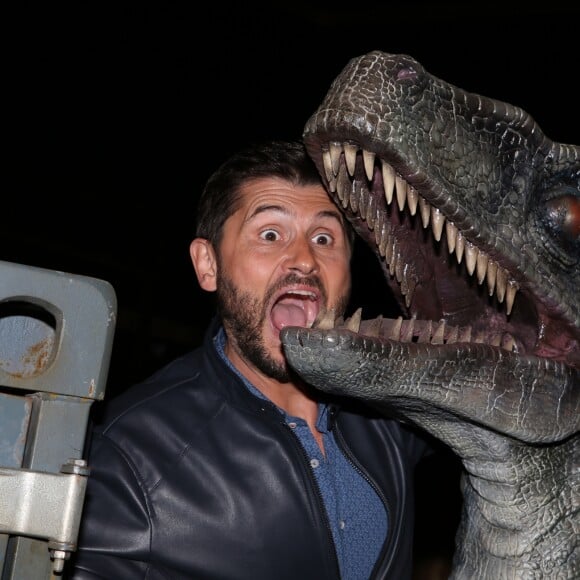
x=563, y=215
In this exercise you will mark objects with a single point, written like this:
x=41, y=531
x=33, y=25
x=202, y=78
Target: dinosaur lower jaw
x=555, y=343
x=474, y=385
x=414, y=330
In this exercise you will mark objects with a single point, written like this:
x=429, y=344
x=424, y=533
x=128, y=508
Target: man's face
x=284, y=256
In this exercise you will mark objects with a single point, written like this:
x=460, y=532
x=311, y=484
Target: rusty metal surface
x=58, y=336
x=26, y=346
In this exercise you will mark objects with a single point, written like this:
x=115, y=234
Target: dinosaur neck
x=520, y=516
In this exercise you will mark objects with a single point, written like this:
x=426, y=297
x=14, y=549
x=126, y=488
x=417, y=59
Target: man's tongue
x=288, y=313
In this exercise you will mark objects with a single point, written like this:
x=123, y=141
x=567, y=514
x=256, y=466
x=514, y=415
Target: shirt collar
x=219, y=341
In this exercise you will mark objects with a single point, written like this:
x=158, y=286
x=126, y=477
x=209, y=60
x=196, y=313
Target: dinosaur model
x=474, y=215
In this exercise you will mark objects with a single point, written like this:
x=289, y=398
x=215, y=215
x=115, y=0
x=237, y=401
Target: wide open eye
x=270, y=235
x=322, y=239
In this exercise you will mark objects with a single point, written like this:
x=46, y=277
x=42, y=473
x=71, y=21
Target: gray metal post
x=56, y=336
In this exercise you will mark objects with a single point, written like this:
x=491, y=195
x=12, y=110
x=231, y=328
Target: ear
x=204, y=262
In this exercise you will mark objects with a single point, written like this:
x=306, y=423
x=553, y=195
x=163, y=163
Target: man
x=224, y=465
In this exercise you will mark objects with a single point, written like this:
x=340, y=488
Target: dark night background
x=119, y=111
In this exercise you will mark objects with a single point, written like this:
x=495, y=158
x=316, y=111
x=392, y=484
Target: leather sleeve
x=115, y=528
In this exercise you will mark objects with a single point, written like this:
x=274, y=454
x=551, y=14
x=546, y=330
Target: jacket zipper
x=313, y=484
x=392, y=534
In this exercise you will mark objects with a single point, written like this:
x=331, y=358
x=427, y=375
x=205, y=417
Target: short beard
x=244, y=315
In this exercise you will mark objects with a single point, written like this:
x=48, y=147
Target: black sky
x=119, y=111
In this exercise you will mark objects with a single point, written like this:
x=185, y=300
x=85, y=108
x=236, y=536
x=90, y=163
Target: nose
x=301, y=257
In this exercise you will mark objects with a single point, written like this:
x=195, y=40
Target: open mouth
x=295, y=307
x=449, y=289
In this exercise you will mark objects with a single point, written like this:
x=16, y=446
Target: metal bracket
x=45, y=505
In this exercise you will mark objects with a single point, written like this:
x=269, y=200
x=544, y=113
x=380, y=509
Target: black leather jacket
x=193, y=477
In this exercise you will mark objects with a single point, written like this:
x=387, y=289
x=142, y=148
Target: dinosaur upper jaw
x=434, y=270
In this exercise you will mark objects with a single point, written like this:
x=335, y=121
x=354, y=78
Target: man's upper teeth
x=303, y=293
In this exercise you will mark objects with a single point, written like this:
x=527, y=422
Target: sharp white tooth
x=501, y=283
x=332, y=184
x=411, y=284
x=403, y=281
x=459, y=247
x=381, y=250
x=384, y=238
x=353, y=323
x=390, y=249
x=327, y=161
x=335, y=151
x=470, y=257
x=451, y=233
x=350, y=157
x=412, y=199
x=453, y=335
x=340, y=189
x=408, y=330
x=426, y=332
x=363, y=201
x=511, y=291
x=396, y=329
x=490, y=276
x=394, y=260
x=399, y=268
x=482, y=260
x=343, y=186
x=325, y=320
x=425, y=210
x=388, y=181
x=401, y=189
x=355, y=194
x=371, y=212
x=379, y=228
x=373, y=328
x=439, y=333
x=369, y=163
x=437, y=222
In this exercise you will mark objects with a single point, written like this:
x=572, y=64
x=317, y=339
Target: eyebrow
x=283, y=210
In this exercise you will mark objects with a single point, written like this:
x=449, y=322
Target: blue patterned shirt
x=356, y=514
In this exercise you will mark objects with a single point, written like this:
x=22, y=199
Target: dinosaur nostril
x=406, y=72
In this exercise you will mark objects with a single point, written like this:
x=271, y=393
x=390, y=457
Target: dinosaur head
x=474, y=215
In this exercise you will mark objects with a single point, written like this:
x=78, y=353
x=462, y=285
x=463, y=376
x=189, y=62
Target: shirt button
x=292, y=425
x=342, y=524
x=314, y=463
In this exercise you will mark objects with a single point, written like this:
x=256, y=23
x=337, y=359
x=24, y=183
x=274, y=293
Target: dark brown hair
x=220, y=198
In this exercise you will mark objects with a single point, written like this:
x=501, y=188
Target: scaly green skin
x=513, y=195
